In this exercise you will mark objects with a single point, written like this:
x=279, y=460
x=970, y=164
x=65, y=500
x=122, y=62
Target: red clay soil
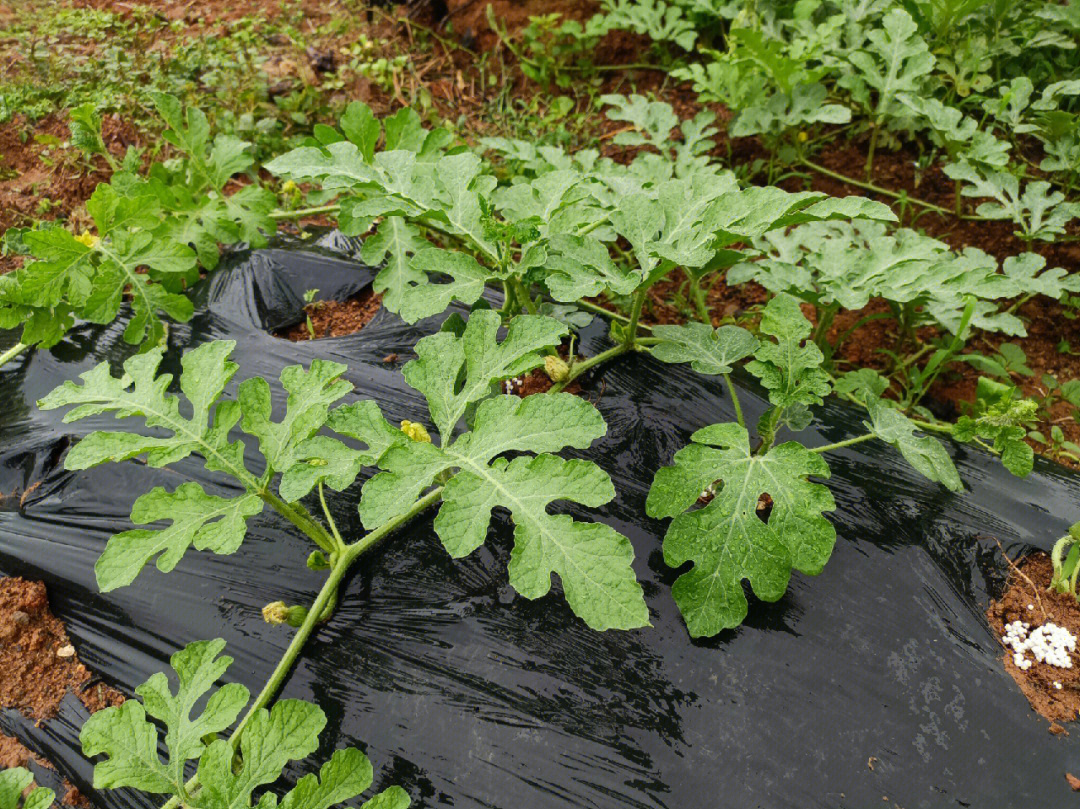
x=1027, y=585
x=36, y=656
x=335, y=318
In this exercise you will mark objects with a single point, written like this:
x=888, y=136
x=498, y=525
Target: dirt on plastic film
x=466, y=693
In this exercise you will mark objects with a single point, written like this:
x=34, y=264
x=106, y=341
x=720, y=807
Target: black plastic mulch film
x=877, y=683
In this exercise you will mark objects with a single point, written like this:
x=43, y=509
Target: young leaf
x=14, y=782
x=788, y=368
x=707, y=350
x=227, y=777
x=727, y=540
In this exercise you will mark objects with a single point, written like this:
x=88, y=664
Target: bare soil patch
x=38, y=661
x=335, y=318
x=1027, y=598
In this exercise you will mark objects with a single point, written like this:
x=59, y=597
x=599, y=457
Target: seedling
x=1066, y=561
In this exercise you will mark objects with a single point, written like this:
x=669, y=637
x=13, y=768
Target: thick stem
x=635, y=315
x=326, y=595
x=877, y=189
x=697, y=293
x=735, y=400
x=523, y=294
x=298, y=516
x=578, y=368
x=12, y=353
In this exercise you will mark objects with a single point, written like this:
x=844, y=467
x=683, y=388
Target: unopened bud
x=415, y=431
x=556, y=368
x=277, y=613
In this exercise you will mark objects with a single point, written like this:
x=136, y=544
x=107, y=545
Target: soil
x=335, y=318
x=1028, y=599
x=39, y=663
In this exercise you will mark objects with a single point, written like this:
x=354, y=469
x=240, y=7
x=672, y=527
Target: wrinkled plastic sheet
x=876, y=683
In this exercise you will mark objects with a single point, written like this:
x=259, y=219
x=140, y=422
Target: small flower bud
x=803, y=136
x=556, y=368
x=277, y=613
x=288, y=186
x=415, y=431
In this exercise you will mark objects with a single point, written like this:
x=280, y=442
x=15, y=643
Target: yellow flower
x=89, y=239
x=415, y=431
x=803, y=137
x=288, y=187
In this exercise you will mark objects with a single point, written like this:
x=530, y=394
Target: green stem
x=735, y=400
x=299, y=516
x=326, y=595
x=523, y=293
x=879, y=190
x=600, y=310
x=330, y=520
x=697, y=292
x=299, y=213
x=635, y=315
x=12, y=353
x=846, y=443
x=870, y=153
x=578, y=368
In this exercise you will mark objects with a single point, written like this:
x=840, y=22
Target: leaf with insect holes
x=227, y=778
x=707, y=350
x=789, y=367
x=14, y=782
x=454, y=372
x=206, y=521
x=727, y=540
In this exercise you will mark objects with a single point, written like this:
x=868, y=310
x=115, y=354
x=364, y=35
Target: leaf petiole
x=12, y=353
x=846, y=443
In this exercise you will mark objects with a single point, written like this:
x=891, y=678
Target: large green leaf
x=708, y=350
x=727, y=540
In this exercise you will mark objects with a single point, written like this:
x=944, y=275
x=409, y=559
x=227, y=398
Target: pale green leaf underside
x=206, y=521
